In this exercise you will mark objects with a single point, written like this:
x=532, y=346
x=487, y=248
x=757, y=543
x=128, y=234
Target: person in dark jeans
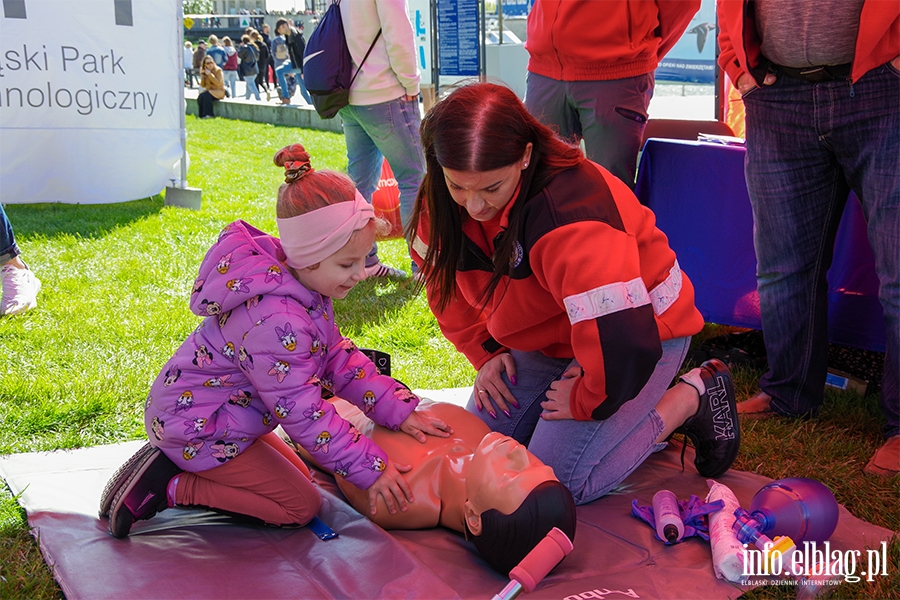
x=820, y=83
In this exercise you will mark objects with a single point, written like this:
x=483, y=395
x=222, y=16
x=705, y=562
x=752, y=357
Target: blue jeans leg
x=609, y=115
x=589, y=457
x=231, y=78
x=280, y=73
x=808, y=145
x=302, y=85
x=8, y=248
x=389, y=130
x=250, y=80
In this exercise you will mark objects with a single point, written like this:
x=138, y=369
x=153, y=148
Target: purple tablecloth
x=699, y=195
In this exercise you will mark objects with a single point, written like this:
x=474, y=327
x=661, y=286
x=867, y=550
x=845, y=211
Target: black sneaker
x=714, y=430
x=140, y=489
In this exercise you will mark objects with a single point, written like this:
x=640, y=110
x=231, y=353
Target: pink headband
x=312, y=237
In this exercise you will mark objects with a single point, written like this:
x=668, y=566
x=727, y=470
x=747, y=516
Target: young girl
x=265, y=354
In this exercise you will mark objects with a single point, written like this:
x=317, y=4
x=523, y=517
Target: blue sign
x=516, y=8
x=693, y=57
x=459, y=47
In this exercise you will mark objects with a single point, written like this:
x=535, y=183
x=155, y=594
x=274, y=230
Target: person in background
x=382, y=120
x=249, y=56
x=262, y=48
x=296, y=44
x=212, y=87
x=281, y=57
x=230, y=68
x=270, y=69
x=20, y=286
x=197, y=59
x=551, y=277
x=595, y=82
x=820, y=83
x=266, y=353
x=214, y=49
x=188, y=62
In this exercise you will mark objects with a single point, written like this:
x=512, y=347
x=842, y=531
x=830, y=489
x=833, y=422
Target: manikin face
x=484, y=194
x=339, y=273
x=502, y=474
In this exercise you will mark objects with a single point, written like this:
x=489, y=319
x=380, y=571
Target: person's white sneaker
x=20, y=289
x=380, y=269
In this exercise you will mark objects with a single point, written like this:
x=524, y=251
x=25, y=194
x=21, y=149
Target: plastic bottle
x=800, y=508
x=727, y=551
x=669, y=525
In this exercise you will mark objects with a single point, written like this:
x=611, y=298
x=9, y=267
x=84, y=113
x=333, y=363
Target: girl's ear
x=473, y=519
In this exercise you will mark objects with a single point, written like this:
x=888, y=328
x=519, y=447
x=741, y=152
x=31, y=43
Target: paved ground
x=670, y=100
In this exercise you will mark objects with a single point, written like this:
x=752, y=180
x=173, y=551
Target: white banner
x=91, y=99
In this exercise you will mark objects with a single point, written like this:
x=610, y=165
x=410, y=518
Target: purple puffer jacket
x=261, y=357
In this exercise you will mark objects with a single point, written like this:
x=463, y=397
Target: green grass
x=113, y=308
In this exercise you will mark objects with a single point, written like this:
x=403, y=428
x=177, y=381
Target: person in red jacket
x=821, y=88
x=549, y=275
x=591, y=70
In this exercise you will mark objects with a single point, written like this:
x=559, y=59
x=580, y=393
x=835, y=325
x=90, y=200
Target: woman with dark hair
x=549, y=275
x=477, y=482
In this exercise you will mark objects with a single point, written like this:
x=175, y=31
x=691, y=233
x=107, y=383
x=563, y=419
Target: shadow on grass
x=83, y=220
x=373, y=301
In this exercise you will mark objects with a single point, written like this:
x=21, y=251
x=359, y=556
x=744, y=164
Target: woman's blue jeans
x=250, y=80
x=8, y=248
x=388, y=130
x=589, y=457
x=808, y=145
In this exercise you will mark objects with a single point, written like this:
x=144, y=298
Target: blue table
x=699, y=195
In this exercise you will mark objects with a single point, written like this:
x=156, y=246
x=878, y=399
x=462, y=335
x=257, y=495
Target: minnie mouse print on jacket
x=263, y=355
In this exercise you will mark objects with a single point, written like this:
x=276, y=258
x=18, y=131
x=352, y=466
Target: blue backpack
x=327, y=66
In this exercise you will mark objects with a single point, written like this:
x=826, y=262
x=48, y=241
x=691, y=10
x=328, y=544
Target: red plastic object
x=541, y=560
x=386, y=201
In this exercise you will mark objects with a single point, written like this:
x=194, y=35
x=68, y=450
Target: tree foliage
x=197, y=7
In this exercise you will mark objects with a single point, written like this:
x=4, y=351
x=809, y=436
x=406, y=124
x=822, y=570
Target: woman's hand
x=392, y=487
x=558, y=405
x=417, y=424
x=490, y=390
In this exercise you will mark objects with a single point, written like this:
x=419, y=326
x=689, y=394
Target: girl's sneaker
x=138, y=489
x=20, y=289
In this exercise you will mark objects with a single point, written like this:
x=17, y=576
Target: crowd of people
x=539, y=264
x=266, y=63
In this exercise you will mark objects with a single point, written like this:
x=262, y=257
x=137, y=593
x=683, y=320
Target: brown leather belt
x=818, y=74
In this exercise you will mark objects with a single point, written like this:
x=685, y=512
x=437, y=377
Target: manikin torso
x=438, y=474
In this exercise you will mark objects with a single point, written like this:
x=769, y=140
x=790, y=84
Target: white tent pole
x=183, y=132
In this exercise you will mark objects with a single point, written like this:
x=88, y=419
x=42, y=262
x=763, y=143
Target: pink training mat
x=184, y=553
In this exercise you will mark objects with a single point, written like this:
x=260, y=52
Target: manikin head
x=514, y=500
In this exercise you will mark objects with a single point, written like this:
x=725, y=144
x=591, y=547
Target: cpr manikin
x=476, y=482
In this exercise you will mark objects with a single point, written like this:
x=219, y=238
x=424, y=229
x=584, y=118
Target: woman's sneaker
x=714, y=430
x=137, y=490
